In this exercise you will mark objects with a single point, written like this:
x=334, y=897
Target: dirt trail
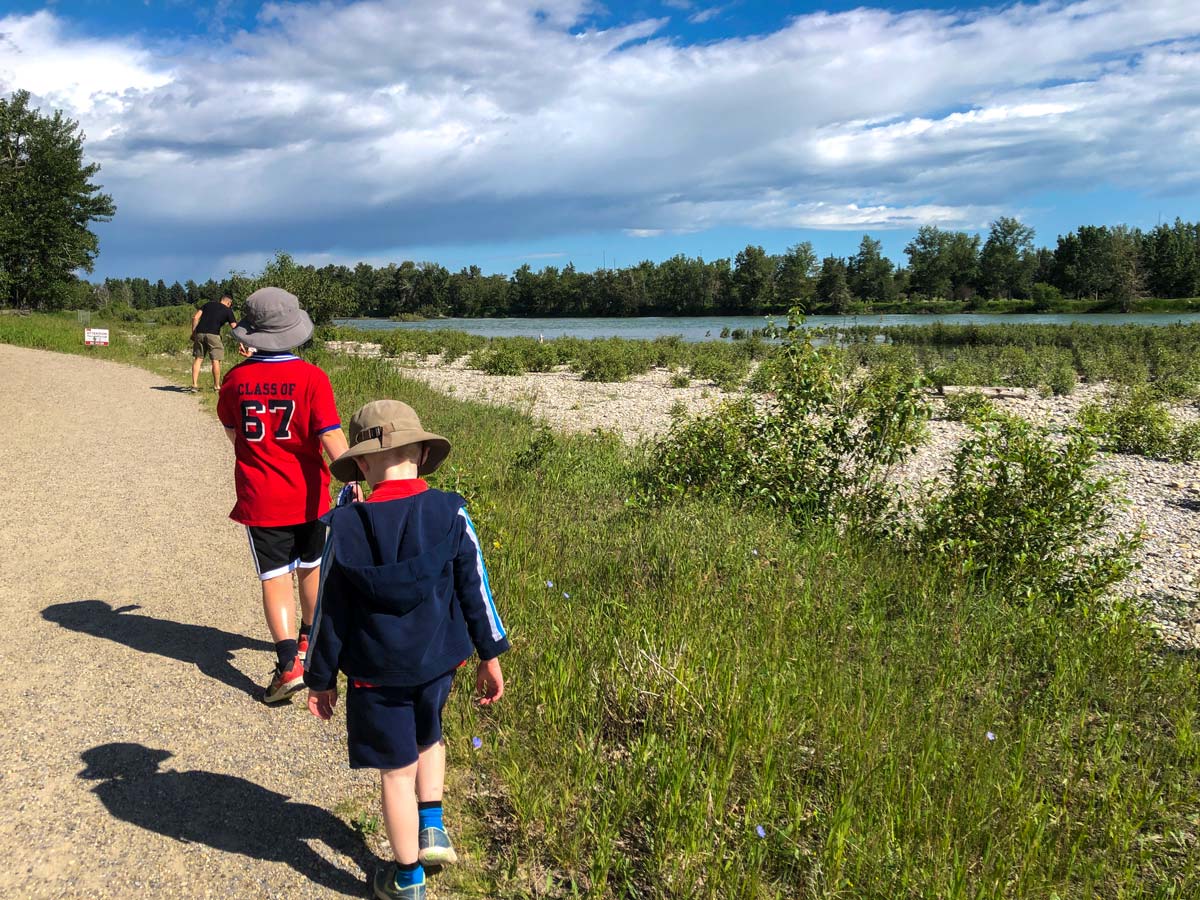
x=135, y=762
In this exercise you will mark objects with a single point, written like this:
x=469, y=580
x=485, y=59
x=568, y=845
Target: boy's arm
x=475, y=595
x=333, y=442
x=328, y=629
x=226, y=417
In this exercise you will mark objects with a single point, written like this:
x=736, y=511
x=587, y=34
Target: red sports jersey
x=279, y=406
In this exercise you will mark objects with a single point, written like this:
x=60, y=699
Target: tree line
x=48, y=200
x=1109, y=267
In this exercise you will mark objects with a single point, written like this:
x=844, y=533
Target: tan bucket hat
x=382, y=425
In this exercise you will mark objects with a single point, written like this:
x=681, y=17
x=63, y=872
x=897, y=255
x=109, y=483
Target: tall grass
x=705, y=701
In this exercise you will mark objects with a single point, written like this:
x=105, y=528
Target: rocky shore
x=1162, y=498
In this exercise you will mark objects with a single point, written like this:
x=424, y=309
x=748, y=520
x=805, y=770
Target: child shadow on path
x=223, y=812
x=208, y=649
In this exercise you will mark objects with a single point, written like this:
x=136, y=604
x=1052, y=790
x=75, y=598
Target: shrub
x=1045, y=296
x=503, y=360
x=820, y=450
x=722, y=370
x=605, y=362
x=1023, y=510
x=1062, y=380
x=969, y=406
x=1134, y=422
x=1186, y=446
x=680, y=379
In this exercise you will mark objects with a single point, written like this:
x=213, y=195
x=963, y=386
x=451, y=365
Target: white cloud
x=379, y=124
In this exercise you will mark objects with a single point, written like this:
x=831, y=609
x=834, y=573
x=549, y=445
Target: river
x=699, y=328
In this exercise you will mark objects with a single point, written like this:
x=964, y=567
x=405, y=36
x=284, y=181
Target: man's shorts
x=386, y=726
x=277, y=551
x=207, y=344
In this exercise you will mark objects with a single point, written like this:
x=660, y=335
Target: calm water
x=699, y=328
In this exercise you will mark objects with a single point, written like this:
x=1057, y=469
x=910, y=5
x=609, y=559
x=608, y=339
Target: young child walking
x=404, y=600
x=279, y=414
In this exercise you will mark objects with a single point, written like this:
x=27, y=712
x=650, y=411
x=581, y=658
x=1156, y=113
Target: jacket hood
x=367, y=550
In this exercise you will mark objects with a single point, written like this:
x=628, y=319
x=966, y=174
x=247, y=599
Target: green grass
x=713, y=671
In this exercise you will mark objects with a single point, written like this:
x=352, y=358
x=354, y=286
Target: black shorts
x=278, y=551
x=387, y=726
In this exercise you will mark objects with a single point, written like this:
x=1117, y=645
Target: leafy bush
x=969, y=406
x=1062, y=380
x=1023, y=510
x=503, y=360
x=606, y=362
x=680, y=379
x=724, y=371
x=820, y=450
x=1133, y=422
x=1187, y=443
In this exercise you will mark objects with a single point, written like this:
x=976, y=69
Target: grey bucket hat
x=273, y=320
x=382, y=425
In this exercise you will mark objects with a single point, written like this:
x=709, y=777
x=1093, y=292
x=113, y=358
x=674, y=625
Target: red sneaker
x=285, y=682
x=302, y=647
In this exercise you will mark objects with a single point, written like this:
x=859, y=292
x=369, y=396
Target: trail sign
x=95, y=337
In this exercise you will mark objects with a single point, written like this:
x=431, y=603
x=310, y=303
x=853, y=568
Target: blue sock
x=430, y=816
x=407, y=876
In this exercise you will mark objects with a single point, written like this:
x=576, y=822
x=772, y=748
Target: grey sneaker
x=435, y=849
x=385, y=886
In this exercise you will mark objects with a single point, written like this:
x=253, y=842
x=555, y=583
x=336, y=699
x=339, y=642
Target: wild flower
x=991, y=736
x=476, y=742
x=550, y=584
x=760, y=831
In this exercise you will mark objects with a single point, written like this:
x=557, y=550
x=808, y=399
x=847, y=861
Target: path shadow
x=224, y=812
x=1191, y=504
x=208, y=649
x=171, y=388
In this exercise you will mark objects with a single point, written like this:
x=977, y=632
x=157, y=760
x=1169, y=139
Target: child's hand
x=489, y=681
x=321, y=703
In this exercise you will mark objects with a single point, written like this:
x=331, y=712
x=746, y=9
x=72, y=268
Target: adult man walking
x=206, y=337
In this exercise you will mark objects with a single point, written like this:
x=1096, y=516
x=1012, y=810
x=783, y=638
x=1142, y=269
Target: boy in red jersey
x=279, y=414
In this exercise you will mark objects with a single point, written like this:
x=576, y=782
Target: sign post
x=93, y=337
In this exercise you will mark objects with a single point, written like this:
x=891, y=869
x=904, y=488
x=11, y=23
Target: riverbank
x=1161, y=497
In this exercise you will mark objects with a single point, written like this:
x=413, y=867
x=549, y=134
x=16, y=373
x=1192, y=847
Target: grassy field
x=707, y=701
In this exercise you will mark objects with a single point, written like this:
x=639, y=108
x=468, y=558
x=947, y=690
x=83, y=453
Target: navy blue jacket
x=404, y=595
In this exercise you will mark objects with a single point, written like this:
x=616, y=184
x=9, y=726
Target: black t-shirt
x=213, y=315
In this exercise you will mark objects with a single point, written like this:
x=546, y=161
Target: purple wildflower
x=476, y=742
x=760, y=831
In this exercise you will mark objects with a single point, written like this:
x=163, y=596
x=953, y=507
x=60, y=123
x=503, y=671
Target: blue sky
x=551, y=131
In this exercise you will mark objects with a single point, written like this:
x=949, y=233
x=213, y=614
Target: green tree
x=870, y=273
x=1007, y=263
x=795, y=284
x=322, y=297
x=833, y=289
x=47, y=203
x=928, y=273
x=1125, y=280
x=754, y=280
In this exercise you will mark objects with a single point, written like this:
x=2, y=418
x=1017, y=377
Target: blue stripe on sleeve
x=489, y=604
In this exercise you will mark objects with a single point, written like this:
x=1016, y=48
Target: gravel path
x=135, y=762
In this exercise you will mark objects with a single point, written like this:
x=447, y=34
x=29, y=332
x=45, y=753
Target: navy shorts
x=385, y=726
